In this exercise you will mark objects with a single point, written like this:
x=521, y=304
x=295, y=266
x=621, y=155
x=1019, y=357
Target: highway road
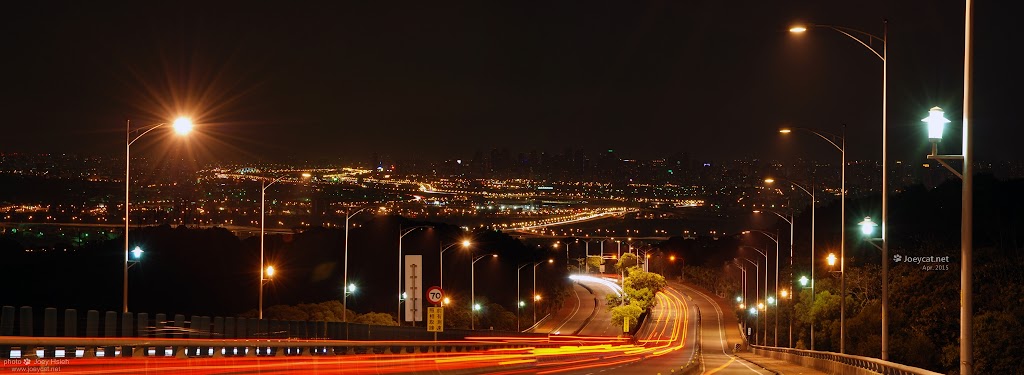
x=601, y=323
x=573, y=315
x=719, y=334
x=666, y=341
x=678, y=308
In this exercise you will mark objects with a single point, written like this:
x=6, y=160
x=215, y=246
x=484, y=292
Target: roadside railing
x=120, y=334
x=835, y=363
x=122, y=347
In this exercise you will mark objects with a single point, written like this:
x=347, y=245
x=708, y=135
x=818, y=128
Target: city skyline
x=345, y=81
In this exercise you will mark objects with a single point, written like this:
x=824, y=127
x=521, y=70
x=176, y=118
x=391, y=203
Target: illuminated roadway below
x=665, y=342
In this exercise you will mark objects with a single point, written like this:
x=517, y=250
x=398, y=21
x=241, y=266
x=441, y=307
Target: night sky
x=433, y=80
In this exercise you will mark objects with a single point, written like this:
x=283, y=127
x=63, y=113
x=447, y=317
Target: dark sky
x=445, y=79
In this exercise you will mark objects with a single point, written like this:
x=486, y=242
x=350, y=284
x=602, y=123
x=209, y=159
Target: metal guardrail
x=22, y=333
x=826, y=360
x=93, y=347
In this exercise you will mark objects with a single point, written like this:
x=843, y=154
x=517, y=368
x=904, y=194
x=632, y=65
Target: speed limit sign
x=434, y=295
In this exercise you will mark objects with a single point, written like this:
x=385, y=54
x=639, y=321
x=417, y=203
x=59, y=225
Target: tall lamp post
x=814, y=203
x=344, y=298
x=765, y=255
x=566, y=251
x=536, y=297
x=789, y=220
x=774, y=238
x=757, y=272
x=868, y=40
x=400, y=236
x=465, y=244
x=839, y=142
x=263, y=218
x=742, y=300
x=182, y=126
x=936, y=121
x=472, y=289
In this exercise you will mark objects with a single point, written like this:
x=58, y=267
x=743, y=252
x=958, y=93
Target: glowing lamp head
x=771, y=300
x=466, y=243
x=784, y=293
x=797, y=29
x=182, y=125
x=270, y=271
x=867, y=226
x=521, y=303
x=769, y=180
x=351, y=288
x=804, y=280
x=753, y=310
x=739, y=299
x=785, y=130
x=831, y=259
x=936, y=121
x=446, y=301
x=137, y=253
x=551, y=260
x=672, y=258
x=476, y=307
x=536, y=297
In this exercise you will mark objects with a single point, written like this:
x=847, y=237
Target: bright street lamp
x=266, y=275
x=465, y=244
x=182, y=125
x=936, y=121
x=867, y=40
x=137, y=254
x=867, y=227
x=831, y=259
x=472, y=288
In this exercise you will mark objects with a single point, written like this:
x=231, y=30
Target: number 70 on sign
x=435, y=295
